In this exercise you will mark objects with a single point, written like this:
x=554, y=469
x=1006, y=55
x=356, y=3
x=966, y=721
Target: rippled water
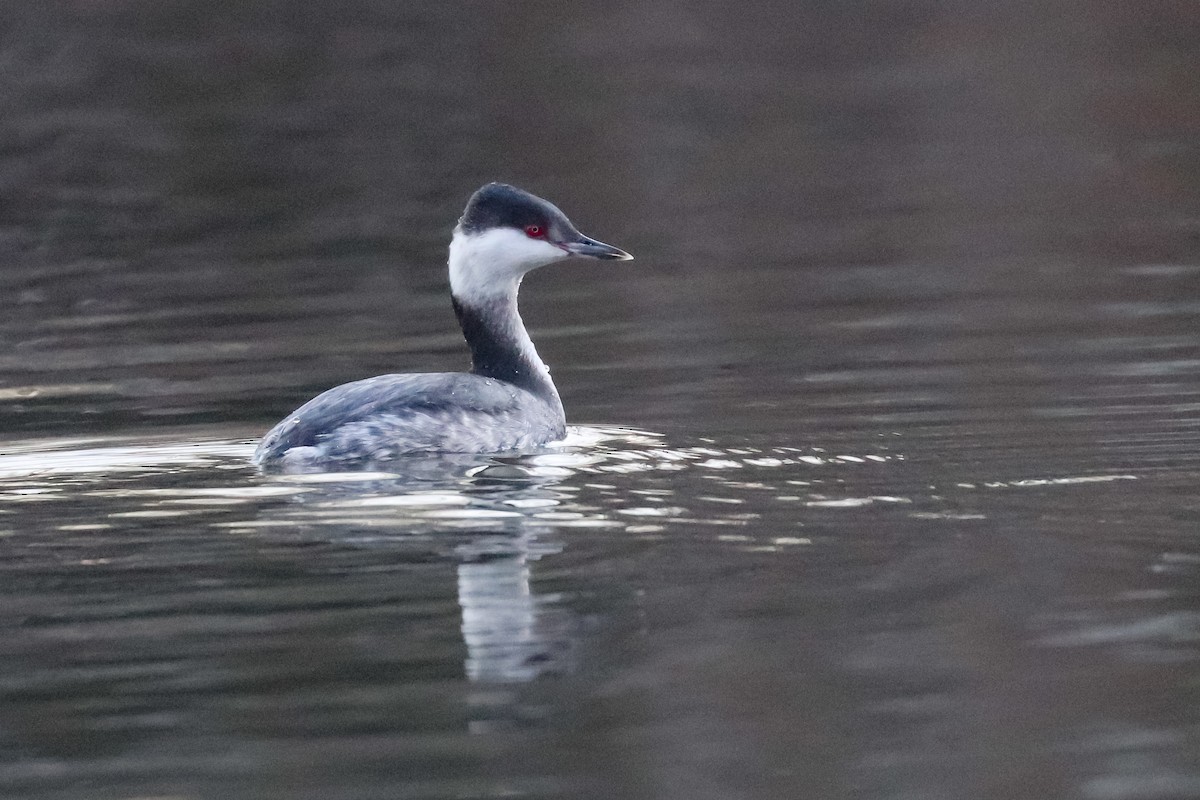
x=884, y=477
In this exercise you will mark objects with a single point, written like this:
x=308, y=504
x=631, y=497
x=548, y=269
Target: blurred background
x=212, y=210
x=962, y=237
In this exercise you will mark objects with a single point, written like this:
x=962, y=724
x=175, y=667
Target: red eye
x=535, y=231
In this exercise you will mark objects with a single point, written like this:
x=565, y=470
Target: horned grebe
x=506, y=402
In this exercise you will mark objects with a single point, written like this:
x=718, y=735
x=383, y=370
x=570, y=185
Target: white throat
x=488, y=266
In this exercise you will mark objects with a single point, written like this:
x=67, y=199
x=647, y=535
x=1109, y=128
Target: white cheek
x=493, y=262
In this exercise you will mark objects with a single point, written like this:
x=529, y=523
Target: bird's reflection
x=512, y=634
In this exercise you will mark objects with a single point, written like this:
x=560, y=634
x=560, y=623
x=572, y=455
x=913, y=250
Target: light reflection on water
x=504, y=576
x=518, y=508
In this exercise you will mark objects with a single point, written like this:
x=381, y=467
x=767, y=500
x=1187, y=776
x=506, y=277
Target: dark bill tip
x=593, y=249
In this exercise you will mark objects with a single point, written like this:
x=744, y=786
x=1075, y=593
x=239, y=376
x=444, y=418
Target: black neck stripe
x=495, y=352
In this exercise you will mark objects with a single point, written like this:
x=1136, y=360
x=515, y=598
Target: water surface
x=883, y=477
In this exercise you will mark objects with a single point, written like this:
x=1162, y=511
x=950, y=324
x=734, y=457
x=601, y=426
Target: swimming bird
x=506, y=402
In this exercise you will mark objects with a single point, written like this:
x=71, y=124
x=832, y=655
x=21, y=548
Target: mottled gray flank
x=390, y=415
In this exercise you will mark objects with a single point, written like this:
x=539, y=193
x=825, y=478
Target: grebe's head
x=504, y=233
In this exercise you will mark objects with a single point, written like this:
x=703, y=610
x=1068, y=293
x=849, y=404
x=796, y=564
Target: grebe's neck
x=500, y=345
x=485, y=274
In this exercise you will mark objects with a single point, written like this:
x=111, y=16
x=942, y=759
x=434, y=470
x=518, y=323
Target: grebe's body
x=506, y=402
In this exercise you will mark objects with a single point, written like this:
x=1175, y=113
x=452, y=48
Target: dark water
x=885, y=485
